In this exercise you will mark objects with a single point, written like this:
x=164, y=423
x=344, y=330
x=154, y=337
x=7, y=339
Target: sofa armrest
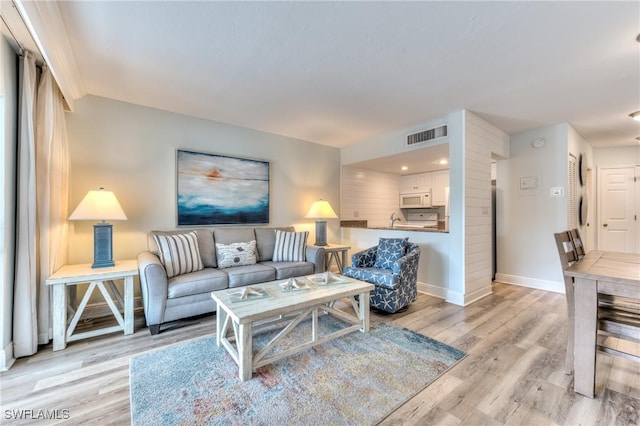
x=316, y=255
x=153, y=283
x=365, y=258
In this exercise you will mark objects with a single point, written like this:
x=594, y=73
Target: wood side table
x=70, y=275
x=331, y=255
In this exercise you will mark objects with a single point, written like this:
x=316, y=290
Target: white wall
x=131, y=150
x=433, y=268
x=8, y=138
x=369, y=195
x=527, y=219
x=617, y=156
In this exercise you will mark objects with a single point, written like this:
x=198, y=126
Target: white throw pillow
x=236, y=254
x=290, y=246
x=179, y=253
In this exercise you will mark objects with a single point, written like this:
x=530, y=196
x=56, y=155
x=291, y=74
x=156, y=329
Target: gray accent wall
x=131, y=150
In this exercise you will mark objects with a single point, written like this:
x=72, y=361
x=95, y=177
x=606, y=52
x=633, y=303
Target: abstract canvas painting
x=221, y=190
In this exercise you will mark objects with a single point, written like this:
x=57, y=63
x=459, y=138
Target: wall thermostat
x=537, y=143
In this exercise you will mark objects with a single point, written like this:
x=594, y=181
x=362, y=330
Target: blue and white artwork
x=216, y=189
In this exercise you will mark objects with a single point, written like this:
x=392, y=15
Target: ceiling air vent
x=427, y=135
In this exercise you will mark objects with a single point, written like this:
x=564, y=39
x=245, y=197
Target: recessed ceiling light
x=404, y=168
x=635, y=115
x=443, y=161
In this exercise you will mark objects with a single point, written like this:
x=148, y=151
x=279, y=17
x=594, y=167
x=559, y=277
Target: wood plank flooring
x=513, y=375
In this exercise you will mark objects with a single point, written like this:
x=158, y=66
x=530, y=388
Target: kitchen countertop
x=362, y=224
x=431, y=229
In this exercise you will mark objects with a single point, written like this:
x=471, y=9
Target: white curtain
x=52, y=193
x=42, y=205
x=25, y=330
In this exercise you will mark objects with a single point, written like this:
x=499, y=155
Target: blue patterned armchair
x=394, y=276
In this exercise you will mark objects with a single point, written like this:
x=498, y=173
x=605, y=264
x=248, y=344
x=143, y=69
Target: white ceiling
x=338, y=73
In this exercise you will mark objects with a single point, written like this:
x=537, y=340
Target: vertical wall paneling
x=482, y=142
x=369, y=195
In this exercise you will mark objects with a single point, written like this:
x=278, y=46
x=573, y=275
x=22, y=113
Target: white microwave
x=415, y=200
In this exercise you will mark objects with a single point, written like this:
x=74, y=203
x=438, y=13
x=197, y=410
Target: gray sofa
x=182, y=296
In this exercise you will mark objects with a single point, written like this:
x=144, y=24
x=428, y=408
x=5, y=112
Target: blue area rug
x=357, y=379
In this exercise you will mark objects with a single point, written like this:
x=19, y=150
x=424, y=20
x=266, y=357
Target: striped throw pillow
x=290, y=246
x=179, y=253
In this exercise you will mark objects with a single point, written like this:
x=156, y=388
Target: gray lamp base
x=102, y=245
x=321, y=233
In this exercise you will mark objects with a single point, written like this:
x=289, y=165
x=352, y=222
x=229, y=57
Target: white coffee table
x=289, y=307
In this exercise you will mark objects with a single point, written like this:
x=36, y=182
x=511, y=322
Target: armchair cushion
x=179, y=253
x=290, y=246
x=378, y=276
x=389, y=251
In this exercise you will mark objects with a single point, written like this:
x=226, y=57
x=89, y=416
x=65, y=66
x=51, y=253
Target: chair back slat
x=578, y=245
x=566, y=249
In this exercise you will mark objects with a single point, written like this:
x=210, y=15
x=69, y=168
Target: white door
x=618, y=228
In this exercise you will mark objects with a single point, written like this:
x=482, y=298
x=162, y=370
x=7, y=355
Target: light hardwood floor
x=515, y=339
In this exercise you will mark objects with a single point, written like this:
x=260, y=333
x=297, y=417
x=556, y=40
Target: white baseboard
x=432, y=290
x=6, y=357
x=556, y=287
x=452, y=296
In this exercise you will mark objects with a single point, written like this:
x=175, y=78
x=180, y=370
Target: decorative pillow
x=290, y=246
x=390, y=250
x=236, y=254
x=179, y=253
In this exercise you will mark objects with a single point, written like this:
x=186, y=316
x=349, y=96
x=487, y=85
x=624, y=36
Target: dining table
x=598, y=272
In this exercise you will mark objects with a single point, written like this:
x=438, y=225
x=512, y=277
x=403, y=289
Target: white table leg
x=364, y=311
x=586, y=329
x=221, y=316
x=59, y=313
x=245, y=351
x=128, y=305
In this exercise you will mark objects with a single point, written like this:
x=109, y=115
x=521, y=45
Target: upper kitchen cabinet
x=440, y=181
x=420, y=182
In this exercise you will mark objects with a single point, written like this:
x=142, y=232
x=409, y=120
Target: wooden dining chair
x=568, y=256
x=618, y=317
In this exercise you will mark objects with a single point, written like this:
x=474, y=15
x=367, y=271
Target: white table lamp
x=321, y=209
x=100, y=205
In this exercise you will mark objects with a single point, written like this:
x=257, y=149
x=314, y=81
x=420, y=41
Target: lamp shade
x=99, y=205
x=321, y=209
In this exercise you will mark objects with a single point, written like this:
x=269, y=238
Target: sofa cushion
x=290, y=246
x=390, y=250
x=236, y=254
x=233, y=235
x=205, y=244
x=290, y=269
x=204, y=281
x=266, y=241
x=251, y=274
x=179, y=253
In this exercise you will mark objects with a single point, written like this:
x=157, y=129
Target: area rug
x=357, y=379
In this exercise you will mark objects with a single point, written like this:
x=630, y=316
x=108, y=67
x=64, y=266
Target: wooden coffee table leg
x=221, y=317
x=245, y=351
x=364, y=311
